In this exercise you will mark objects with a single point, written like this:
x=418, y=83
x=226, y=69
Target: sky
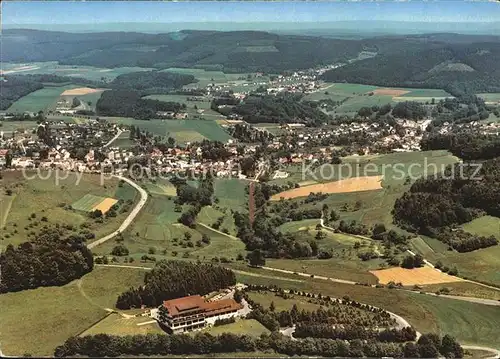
x=85, y=12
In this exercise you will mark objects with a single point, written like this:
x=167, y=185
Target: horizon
x=147, y=12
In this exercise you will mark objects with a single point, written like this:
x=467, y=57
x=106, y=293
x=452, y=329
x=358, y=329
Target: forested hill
x=454, y=66
x=234, y=51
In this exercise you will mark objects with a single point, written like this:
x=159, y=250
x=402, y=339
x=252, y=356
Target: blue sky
x=62, y=12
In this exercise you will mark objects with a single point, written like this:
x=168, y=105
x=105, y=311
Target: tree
x=256, y=258
x=120, y=250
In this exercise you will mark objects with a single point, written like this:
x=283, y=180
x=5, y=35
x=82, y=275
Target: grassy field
x=157, y=227
x=242, y=326
x=40, y=100
x=47, y=315
x=480, y=265
x=103, y=285
x=114, y=324
x=355, y=96
x=376, y=206
x=202, y=107
x=21, y=126
x=43, y=197
x=50, y=315
x=464, y=289
x=181, y=130
x=266, y=298
x=484, y=226
x=490, y=97
x=469, y=322
x=231, y=192
x=87, y=72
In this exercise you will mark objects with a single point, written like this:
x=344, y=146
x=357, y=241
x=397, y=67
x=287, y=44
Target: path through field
x=131, y=216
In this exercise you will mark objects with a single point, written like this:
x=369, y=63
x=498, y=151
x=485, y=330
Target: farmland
x=40, y=100
x=181, y=130
x=343, y=186
x=41, y=197
x=202, y=107
x=355, y=96
x=87, y=72
x=374, y=206
x=415, y=276
x=87, y=203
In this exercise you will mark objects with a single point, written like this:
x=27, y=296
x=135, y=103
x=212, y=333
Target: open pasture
x=181, y=130
x=87, y=72
x=355, y=96
x=355, y=184
x=115, y=324
x=39, y=100
x=415, y=276
x=484, y=226
x=493, y=98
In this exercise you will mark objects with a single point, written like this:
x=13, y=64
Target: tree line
x=51, y=258
x=175, y=279
x=104, y=345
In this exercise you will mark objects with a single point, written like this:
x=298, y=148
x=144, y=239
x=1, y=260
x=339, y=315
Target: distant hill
x=454, y=63
x=430, y=60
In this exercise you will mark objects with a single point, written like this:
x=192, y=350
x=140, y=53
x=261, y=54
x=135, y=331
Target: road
x=131, y=216
x=114, y=138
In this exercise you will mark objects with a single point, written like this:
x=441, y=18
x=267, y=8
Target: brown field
x=105, y=205
x=415, y=276
x=355, y=184
x=80, y=91
x=390, y=92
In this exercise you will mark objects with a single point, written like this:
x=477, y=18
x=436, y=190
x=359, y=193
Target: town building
x=194, y=312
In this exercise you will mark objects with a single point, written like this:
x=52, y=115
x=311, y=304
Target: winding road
x=131, y=216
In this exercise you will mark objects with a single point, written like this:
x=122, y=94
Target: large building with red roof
x=194, y=312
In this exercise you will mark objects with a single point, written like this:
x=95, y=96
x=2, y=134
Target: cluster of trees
x=456, y=197
x=201, y=195
x=150, y=82
x=248, y=134
x=174, y=279
x=410, y=110
x=16, y=86
x=263, y=235
x=51, y=258
x=353, y=227
x=410, y=261
x=463, y=241
x=349, y=332
x=283, y=108
x=129, y=103
x=466, y=145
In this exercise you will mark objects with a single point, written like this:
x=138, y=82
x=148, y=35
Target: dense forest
x=456, y=67
x=129, y=103
x=150, y=82
x=453, y=198
x=174, y=279
x=251, y=51
x=283, y=108
x=466, y=145
x=49, y=259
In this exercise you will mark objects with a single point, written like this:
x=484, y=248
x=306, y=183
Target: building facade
x=194, y=312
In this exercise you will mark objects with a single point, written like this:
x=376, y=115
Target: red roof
x=196, y=303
